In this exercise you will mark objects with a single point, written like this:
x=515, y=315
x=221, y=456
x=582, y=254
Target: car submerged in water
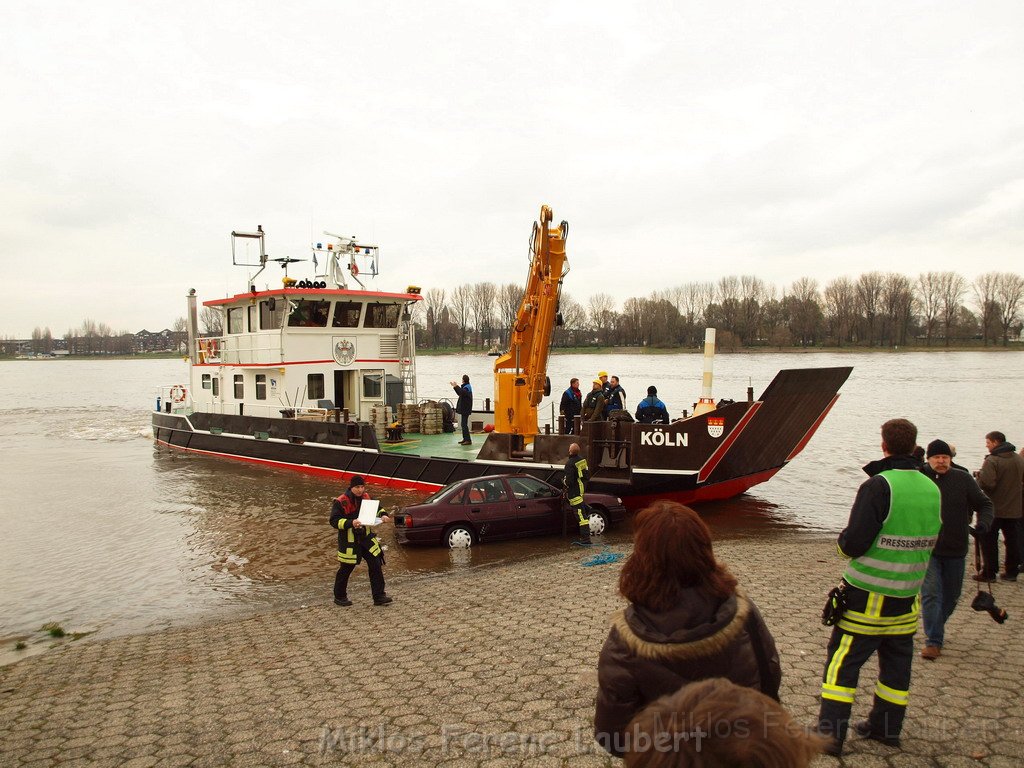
x=499, y=507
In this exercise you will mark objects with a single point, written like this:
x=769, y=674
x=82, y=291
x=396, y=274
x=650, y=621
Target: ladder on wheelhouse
x=407, y=358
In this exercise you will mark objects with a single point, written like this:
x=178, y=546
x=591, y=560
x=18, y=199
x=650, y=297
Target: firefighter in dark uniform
x=355, y=543
x=575, y=481
x=893, y=526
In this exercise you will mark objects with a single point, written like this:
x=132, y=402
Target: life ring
x=354, y=269
x=178, y=393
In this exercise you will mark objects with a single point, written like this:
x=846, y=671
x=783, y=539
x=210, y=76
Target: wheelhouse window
x=315, y=387
x=272, y=314
x=236, y=320
x=207, y=380
x=253, y=311
x=382, y=316
x=346, y=314
x=309, y=314
x=261, y=386
x=239, y=387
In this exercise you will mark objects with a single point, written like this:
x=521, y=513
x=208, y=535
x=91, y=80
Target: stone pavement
x=488, y=666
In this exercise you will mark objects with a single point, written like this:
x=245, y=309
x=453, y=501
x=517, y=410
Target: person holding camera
x=961, y=499
x=893, y=526
x=464, y=407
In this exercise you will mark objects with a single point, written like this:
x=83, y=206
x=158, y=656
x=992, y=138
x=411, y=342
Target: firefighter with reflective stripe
x=893, y=526
x=575, y=481
x=356, y=542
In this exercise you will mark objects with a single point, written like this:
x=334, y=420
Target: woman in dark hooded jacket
x=687, y=621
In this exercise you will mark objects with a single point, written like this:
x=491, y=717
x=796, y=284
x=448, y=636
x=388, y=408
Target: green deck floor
x=443, y=445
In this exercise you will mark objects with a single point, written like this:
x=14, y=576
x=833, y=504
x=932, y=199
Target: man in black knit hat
x=961, y=497
x=356, y=542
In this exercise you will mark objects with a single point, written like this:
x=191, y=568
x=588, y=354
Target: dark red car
x=498, y=507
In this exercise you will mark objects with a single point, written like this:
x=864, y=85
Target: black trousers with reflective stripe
x=847, y=653
x=374, y=563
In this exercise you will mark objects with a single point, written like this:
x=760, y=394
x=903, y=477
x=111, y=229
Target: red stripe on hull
x=719, y=454
x=306, y=469
x=715, y=492
x=814, y=428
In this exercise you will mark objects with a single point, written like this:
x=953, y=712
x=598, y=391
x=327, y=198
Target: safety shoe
x=982, y=577
x=863, y=728
x=343, y=602
x=1007, y=577
x=931, y=652
x=383, y=600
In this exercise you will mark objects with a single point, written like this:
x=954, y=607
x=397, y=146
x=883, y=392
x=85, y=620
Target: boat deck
x=441, y=446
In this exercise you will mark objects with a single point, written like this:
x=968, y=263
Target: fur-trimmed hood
x=650, y=654
x=694, y=628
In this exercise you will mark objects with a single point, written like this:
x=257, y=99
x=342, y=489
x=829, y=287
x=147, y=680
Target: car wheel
x=459, y=537
x=598, y=521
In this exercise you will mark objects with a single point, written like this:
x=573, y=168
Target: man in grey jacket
x=961, y=499
x=1002, y=478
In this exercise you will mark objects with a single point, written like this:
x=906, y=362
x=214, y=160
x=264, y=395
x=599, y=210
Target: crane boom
x=520, y=375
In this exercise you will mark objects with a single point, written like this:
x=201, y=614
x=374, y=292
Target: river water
x=103, y=531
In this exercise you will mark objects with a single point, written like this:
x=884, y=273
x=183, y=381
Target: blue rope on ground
x=602, y=558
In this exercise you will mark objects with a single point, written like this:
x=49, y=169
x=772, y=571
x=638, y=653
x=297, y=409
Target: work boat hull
x=712, y=456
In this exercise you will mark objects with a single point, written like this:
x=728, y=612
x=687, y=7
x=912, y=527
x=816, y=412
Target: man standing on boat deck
x=651, y=410
x=616, y=396
x=961, y=497
x=593, y=406
x=577, y=473
x=893, y=527
x=356, y=542
x=572, y=403
x=464, y=407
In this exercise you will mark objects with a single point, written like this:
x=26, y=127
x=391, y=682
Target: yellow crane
x=520, y=375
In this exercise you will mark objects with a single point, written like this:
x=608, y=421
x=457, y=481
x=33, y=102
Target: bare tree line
x=872, y=309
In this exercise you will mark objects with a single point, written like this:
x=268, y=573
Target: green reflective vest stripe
x=896, y=563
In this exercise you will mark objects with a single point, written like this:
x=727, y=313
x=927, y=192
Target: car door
x=490, y=510
x=538, y=505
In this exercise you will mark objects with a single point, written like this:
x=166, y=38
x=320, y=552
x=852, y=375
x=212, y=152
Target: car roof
x=504, y=476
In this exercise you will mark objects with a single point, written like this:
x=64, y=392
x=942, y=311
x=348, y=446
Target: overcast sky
x=682, y=141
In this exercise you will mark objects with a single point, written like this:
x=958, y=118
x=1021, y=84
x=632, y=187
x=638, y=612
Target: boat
x=319, y=376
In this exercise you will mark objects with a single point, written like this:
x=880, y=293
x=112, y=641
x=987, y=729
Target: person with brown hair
x=718, y=724
x=687, y=621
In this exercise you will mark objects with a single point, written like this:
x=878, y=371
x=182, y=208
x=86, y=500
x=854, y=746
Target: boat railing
x=275, y=410
x=247, y=349
x=175, y=398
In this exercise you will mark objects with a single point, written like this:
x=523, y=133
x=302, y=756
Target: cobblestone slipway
x=489, y=666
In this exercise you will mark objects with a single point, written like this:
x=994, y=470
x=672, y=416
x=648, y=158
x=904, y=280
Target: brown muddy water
x=101, y=531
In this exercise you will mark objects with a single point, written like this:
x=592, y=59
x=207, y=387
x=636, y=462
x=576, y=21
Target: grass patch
x=20, y=645
x=53, y=629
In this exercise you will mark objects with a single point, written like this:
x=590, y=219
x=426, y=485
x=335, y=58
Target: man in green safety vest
x=576, y=475
x=893, y=526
